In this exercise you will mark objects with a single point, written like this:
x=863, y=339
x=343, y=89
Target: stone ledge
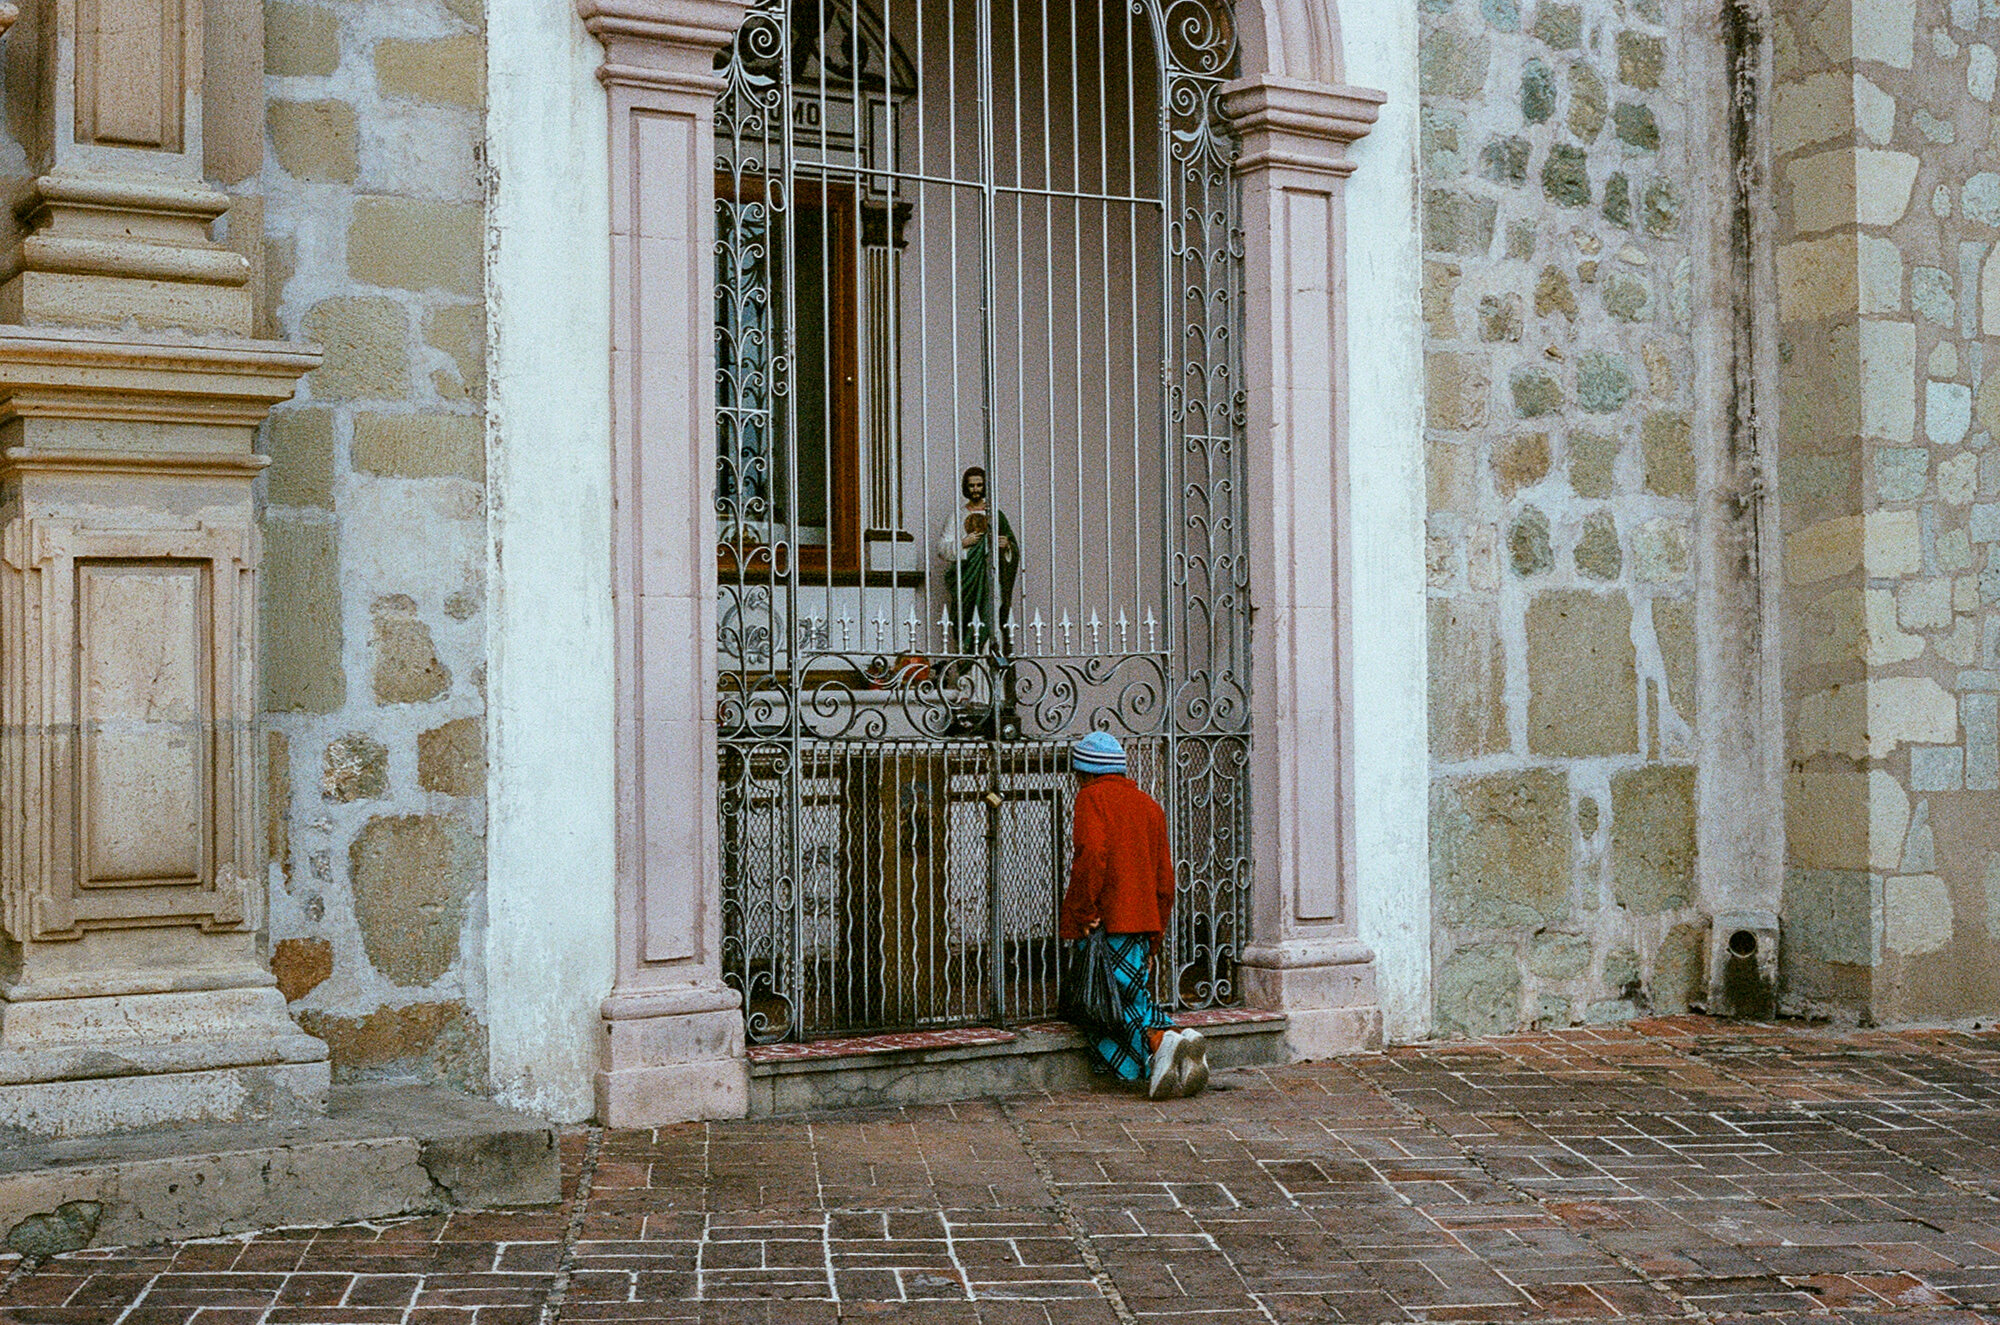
x=379, y=1151
x=1047, y=1056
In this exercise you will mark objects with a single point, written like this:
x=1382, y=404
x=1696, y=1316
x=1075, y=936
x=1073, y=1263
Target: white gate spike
x=911, y=624
x=846, y=632
x=1064, y=623
x=1152, y=643
x=881, y=632
x=1095, y=627
x=1124, y=632
x=1037, y=627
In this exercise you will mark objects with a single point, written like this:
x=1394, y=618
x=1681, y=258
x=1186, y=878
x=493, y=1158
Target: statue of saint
x=967, y=543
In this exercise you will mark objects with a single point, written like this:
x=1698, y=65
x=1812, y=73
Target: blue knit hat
x=1098, y=752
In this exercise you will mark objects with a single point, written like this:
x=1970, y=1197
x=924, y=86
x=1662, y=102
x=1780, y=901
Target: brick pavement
x=1671, y=1169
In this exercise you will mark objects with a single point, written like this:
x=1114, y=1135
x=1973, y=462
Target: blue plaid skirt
x=1126, y=1056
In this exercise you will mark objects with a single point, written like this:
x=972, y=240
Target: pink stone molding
x=1305, y=957
x=673, y=1045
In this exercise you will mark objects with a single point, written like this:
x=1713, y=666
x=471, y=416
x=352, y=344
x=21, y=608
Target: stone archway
x=673, y=1035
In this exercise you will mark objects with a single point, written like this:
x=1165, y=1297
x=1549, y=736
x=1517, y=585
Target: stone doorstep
x=935, y=1067
x=380, y=1150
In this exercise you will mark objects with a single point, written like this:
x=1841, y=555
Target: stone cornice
x=1284, y=122
x=675, y=25
x=73, y=374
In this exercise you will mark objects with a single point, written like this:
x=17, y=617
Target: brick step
x=930, y=1067
x=378, y=1151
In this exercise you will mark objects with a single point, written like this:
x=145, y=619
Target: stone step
x=931, y=1067
x=380, y=1150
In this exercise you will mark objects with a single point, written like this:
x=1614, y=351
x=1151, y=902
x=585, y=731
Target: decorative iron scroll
x=954, y=235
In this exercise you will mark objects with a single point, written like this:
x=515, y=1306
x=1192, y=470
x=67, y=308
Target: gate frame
x=673, y=1046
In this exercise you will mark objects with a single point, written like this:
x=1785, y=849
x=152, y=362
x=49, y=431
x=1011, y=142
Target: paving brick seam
x=552, y=1305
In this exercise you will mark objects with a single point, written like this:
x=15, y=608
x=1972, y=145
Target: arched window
x=977, y=490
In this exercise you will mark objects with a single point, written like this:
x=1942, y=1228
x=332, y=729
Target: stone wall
x=1560, y=455
x=1888, y=210
x=375, y=530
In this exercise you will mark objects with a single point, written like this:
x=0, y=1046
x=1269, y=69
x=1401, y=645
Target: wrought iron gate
x=977, y=268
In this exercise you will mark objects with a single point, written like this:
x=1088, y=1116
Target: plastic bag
x=1090, y=993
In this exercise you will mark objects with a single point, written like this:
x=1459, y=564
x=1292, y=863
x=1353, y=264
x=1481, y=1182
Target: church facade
x=549, y=544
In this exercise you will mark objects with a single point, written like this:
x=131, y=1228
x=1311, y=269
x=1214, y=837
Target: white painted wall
x=551, y=938
x=1385, y=411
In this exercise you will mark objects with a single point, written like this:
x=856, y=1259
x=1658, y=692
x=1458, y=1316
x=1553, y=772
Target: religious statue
x=967, y=543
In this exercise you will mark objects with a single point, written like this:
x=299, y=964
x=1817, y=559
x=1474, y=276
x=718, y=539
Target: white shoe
x=1165, y=1081
x=1191, y=1062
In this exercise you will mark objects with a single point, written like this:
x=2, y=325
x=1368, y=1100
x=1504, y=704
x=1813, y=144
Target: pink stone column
x=673, y=1047
x=1304, y=958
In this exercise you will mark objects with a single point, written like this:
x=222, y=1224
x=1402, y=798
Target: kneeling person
x=1122, y=877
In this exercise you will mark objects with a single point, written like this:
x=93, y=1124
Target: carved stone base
x=673, y=1056
x=1326, y=989
x=104, y=1063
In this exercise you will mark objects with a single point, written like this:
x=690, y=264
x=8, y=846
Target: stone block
x=1984, y=524
x=1566, y=176
x=1660, y=209
x=1909, y=709
x=356, y=768
x=1667, y=439
x=1501, y=849
x=409, y=244
x=1680, y=971
x=1587, y=102
x=300, y=444
x=1884, y=30
x=1879, y=271
x=411, y=876
x=1627, y=298
x=428, y=1041
x=1817, y=278
x=314, y=140
x=1448, y=477
x=1505, y=161
x=1452, y=63
x=1660, y=553
x=1554, y=294
x=1500, y=318
x=301, y=615
x=1458, y=223
x=1832, y=915
x=407, y=670
x=1538, y=92
x=1583, y=686
x=1479, y=991
x=1888, y=820
x=1653, y=838
x=301, y=965
x=1981, y=713
x=1603, y=382
x=1559, y=956
x=1597, y=552
x=1673, y=630
x=1520, y=461
x=1641, y=60
x=1593, y=464
x=1455, y=390
x=1924, y=604
x=1888, y=380
x=460, y=331
x=1833, y=720
x=1916, y=914
x=1636, y=127
x=1815, y=109
x=300, y=40
x=1535, y=393
x=452, y=759
x=1560, y=26
x=366, y=342
x=1902, y=473
x=1892, y=544
x=1528, y=548
x=421, y=445
x=1958, y=481
x=1947, y=412
x=1440, y=290
x=450, y=71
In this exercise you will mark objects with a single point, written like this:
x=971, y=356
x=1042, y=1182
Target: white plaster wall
x=551, y=834
x=1385, y=413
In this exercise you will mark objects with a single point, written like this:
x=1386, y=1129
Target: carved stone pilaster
x=673, y=1045
x=134, y=988
x=1305, y=957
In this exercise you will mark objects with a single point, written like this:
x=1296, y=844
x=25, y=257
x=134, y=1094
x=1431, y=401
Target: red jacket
x=1123, y=872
